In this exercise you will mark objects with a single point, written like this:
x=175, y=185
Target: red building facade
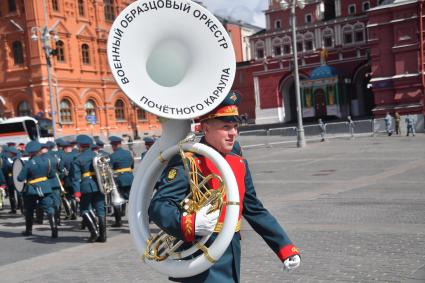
x=396, y=39
x=354, y=39
x=82, y=84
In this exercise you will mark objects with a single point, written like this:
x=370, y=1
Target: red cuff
x=188, y=227
x=287, y=251
x=77, y=194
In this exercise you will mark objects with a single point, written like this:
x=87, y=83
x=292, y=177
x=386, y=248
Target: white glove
x=291, y=263
x=205, y=223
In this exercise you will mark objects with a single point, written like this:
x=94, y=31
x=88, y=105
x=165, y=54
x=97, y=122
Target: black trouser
x=12, y=197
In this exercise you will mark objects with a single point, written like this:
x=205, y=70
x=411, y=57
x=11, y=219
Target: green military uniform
x=122, y=163
x=36, y=172
x=173, y=187
x=84, y=184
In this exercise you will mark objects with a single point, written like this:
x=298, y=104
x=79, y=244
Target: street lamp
x=292, y=4
x=49, y=52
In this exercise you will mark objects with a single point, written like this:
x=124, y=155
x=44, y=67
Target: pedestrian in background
x=388, y=122
x=397, y=123
x=148, y=143
x=350, y=123
x=410, y=123
x=322, y=128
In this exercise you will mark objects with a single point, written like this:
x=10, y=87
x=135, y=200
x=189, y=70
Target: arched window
x=90, y=108
x=55, y=5
x=351, y=9
x=141, y=115
x=85, y=54
x=81, y=11
x=24, y=109
x=65, y=111
x=359, y=32
x=366, y=6
x=347, y=32
x=259, y=50
x=12, y=6
x=308, y=41
x=277, y=47
x=109, y=10
x=300, y=43
x=18, y=53
x=328, y=41
x=60, y=47
x=308, y=18
x=286, y=45
x=277, y=24
x=119, y=110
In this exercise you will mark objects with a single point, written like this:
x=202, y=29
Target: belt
x=37, y=180
x=88, y=174
x=219, y=226
x=123, y=170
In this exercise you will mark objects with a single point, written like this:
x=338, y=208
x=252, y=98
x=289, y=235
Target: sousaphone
x=175, y=60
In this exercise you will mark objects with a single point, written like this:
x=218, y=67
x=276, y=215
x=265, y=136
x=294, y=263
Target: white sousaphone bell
x=175, y=60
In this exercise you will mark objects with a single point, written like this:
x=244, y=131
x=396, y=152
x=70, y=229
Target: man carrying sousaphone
x=86, y=190
x=36, y=172
x=220, y=129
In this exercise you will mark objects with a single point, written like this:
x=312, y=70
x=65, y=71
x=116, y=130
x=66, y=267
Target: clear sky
x=249, y=11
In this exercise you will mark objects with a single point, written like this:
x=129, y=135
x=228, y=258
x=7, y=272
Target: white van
x=20, y=130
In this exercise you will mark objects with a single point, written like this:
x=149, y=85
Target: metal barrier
x=283, y=135
x=288, y=135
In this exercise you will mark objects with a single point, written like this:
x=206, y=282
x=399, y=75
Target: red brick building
x=81, y=81
x=396, y=39
x=351, y=61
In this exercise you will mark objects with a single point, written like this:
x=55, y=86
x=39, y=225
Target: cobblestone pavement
x=355, y=208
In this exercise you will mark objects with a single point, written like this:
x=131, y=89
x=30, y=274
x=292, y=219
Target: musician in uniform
x=60, y=145
x=66, y=165
x=148, y=143
x=122, y=163
x=101, y=146
x=220, y=129
x=54, y=179
x=86, y=190
x=8, y=159
x=36, y=172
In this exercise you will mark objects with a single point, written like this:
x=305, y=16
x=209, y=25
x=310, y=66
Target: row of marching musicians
x=70, y=176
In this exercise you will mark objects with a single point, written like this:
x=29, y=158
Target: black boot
x=58, y=217
x=53, y=226
x=117, y=215
x=123, y=207
x=102, y=230
x=39, y=215
x=12, y=203
x=28, y=226
x=73, y=210
x=94, y=233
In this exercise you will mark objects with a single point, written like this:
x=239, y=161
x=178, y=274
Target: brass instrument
x=65, y=202
x=106, y=181
x=162, y=245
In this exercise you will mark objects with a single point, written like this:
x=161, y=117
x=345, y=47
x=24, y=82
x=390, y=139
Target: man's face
x=220, y=134
x=115, y=146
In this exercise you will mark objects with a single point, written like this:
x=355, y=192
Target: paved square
x=355, y=208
